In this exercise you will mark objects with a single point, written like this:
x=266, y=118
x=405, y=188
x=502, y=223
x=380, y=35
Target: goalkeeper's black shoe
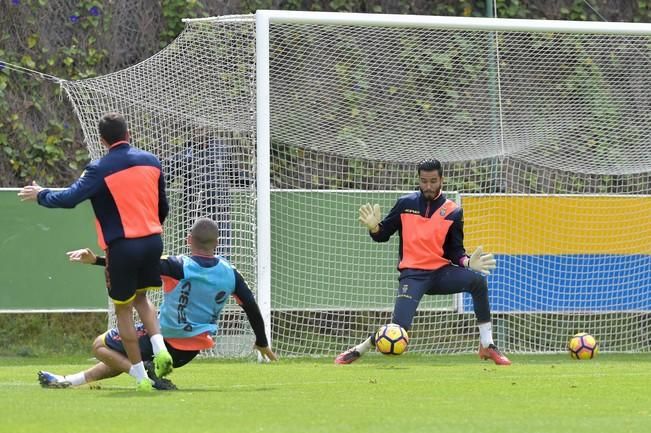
x=158, y=383
x=347, y=357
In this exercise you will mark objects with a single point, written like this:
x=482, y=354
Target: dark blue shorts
x=449, y=279
x=132, y=265
x=113, y=341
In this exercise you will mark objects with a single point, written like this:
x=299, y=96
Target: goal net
x=281, y=129
x=193, y=105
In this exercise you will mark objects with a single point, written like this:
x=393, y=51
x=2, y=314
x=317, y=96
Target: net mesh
x=543, y=136
x=192, y=104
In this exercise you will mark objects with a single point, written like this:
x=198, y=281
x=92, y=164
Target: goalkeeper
x=433, y=260
x=195, y=290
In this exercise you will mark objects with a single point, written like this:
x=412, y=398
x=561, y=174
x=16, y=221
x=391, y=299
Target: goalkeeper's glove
x=370, y=216
x=483, y=263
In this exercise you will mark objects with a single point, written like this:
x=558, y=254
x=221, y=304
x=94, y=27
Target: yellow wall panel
x=558, y=224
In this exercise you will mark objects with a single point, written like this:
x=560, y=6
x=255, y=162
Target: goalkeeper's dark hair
x=113, y=127
x=205, y=234
x=430, y=165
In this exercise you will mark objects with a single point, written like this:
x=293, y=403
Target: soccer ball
x=391, y=339
x=583, y=346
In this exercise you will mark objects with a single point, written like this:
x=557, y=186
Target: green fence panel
x=323, y=259
x=35, y=271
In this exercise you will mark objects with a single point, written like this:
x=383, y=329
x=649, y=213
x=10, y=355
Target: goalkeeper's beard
x=431, y=194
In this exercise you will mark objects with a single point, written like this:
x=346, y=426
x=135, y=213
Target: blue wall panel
x=569, y=283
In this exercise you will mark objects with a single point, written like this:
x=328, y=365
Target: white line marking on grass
x=106, y=386
x=18, y=384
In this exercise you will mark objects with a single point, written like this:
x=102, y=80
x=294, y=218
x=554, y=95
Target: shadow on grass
x=121, y=392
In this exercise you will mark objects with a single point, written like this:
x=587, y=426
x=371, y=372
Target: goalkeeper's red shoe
x=347, y=357
x=492, y=352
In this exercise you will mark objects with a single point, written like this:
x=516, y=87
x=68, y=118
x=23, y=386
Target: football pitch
x=411, y=393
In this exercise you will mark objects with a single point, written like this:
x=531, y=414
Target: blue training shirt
x=195, y=304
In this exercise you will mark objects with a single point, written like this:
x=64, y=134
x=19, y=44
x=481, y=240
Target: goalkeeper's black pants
x=449, y=279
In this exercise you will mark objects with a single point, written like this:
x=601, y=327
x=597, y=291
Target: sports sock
x=138, y=371
x=157, y=343
x=76, y=379
x=486, y=334
x=365, y=346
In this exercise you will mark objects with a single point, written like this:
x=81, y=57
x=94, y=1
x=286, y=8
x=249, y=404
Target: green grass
x=413, y=393
x=46, y=334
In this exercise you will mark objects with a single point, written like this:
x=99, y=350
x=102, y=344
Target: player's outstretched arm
x=84, y=255
x=245, y=299
x=30, y=192
x=483, y=263
x=266, y=353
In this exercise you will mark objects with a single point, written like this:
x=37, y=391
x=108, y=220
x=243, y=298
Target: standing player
x=127, y=192
x=195, y=292
x=433, y=260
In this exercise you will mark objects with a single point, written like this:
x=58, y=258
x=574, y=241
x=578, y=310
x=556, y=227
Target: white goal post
x=280, y=125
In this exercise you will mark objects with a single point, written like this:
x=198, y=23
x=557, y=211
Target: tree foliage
x=40, y=137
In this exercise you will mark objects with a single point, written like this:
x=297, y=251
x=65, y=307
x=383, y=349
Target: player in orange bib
x=433, y=260
x=127, y=191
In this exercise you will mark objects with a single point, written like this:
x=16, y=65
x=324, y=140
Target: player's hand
x=483, y=263
x=84, y=255
x=370, y=216
x=266, y=353
x=30, y=192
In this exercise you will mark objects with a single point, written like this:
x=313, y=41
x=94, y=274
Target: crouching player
x=195, y=290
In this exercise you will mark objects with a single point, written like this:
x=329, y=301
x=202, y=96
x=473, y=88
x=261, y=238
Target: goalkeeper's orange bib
x=423, y=238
